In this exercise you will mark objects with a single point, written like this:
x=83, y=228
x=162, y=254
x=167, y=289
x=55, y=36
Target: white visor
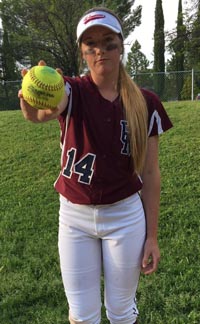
x=98, y=18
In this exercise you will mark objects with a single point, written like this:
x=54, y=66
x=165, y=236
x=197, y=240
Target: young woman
x=109, y=183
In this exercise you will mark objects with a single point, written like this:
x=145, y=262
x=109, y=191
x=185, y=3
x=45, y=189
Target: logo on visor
x=93, y=17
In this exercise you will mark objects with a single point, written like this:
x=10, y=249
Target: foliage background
x=35, y=29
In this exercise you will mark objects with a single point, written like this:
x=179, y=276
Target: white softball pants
x=93, y=238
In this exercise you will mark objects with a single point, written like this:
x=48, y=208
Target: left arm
x=150, y=195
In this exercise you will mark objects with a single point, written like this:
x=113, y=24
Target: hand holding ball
x=43, y=87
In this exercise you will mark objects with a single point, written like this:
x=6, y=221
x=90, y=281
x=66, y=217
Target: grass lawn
x=31, y=290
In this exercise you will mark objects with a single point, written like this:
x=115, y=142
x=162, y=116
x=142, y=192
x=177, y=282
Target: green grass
x=31, y=290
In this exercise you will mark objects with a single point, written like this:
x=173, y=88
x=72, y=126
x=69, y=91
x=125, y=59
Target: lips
x=101, y=60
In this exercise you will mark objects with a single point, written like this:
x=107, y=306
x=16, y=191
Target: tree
x=1, y=56
x=186, y=91
x=8, y=67
x=180, y=40
x=47, y=29
x=159, y=49
x=179, y=48
x=192, y=36
x=136, y=61
x=194, y=46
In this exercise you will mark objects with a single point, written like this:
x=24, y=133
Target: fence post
x=192, y=90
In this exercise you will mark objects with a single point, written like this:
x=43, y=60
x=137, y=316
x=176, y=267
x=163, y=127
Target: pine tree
x=136, y=60
x=194, y=46
x=1, y=62
x=180, y=50
x=159, y=49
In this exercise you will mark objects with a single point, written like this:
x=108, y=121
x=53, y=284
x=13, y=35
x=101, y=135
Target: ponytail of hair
x=136, y=116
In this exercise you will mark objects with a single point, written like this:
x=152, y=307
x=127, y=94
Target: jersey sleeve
x=158, y=119
x=68, y=89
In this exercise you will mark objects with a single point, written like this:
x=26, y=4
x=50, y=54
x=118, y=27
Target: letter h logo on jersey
x=125, y=138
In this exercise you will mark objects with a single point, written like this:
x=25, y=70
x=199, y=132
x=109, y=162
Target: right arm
x=40, y=115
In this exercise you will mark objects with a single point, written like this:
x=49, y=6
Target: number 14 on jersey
x=84, y=167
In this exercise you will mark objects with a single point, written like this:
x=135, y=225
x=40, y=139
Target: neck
x=107, y=86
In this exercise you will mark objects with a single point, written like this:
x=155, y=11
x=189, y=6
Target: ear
x=122, y=49
x=83, y=56
x=83, y=60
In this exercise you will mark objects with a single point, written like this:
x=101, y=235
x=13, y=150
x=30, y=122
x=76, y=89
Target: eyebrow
x=91, y=37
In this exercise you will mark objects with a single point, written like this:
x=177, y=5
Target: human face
x=101, y=49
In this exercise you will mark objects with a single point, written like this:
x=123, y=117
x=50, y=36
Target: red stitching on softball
x=38, y=103
x=42, y=85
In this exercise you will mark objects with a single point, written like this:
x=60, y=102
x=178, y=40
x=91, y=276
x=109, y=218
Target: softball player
x=109, y=183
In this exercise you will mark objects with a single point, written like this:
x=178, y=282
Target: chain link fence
x=9, y=95
x=169, y=86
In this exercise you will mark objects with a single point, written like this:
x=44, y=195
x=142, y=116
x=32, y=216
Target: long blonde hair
x=136, y=115
x=135, y=109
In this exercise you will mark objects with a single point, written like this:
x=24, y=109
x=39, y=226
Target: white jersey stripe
x=69, y=93
x=155, y=117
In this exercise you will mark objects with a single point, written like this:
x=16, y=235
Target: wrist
x=153, y=238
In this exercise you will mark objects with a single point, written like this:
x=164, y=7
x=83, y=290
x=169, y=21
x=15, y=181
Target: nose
x=100, y=48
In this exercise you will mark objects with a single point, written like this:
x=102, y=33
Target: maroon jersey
x=96, y=167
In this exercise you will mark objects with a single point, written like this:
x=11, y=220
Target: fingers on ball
x=23, y=72
x=42, y=63
x=59, y=71
x=20, y=95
